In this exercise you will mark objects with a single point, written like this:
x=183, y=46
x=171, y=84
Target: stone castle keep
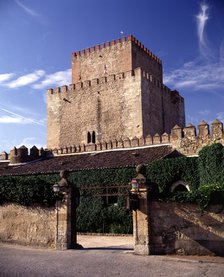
x=116, y=114
x=117, y=92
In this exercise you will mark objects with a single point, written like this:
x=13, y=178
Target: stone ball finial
x=141, y=169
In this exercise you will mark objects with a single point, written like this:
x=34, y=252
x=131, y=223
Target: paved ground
x=103, y=256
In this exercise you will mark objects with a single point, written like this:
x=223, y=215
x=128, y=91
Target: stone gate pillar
x=66, y=237
x=141, y=230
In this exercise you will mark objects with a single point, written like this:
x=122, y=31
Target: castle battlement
x=112, y=43
x=188, y=141
x=23, y=155
x=114, y=78
x=116, y=91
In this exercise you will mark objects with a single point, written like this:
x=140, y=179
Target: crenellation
x=123, y=39
x=203, y=129
x=134, y=142
x=111, y=78
x=78, y=148
x=217, y=130
x=114, y=143
x=79, y=85
x=102, y=80
x=176, y=133
x=165, y=138
x=95, y=81
x=103, y=145
x=87, y=84
x=113, y=42
x=126, y=142
x=156, y=139
x=109, y=145
x=120, y=143
x=185, y=140
x=131, y=38
x=98, y=146
x=148, y=140
x=64, y=88
x=57, y=90
x=4, y=156
x=50, y=91
x=71, y=87
x=189, y=131
x=141, y=141
x=82, y=147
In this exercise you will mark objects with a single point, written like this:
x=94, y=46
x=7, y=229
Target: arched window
x=179, y=186
x=93, y=137
x=88, y=137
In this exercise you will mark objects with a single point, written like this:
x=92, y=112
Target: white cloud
x=5, y=77
x=202, y=17
x=26, y=9
x=9, y=119
x=205, y=72
x=197, y=75
x=59, y=78
x=37, y=79
x=18, y=119
x=26, y=79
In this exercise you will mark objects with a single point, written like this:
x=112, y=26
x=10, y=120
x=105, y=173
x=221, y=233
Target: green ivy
x=204, y=175
x=27, y=190
x=165, y=172
x=211, y=164
x=94, y=216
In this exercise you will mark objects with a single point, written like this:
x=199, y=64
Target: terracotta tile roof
x=107, y=159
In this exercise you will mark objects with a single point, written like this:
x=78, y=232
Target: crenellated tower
x=117, y=91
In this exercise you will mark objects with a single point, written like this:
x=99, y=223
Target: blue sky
x=37, y=39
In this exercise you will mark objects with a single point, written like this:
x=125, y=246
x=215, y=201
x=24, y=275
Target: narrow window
x=88, y=137
x=93, y=137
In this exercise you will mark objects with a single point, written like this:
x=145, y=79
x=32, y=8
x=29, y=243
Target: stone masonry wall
x=27, y=226
x=127, y=104
x=185, y=229
x=115, y=56
x=188, y=141
x=117, y=91
x=109, y=106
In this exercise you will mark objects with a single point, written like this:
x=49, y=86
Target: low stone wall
x=28, y=225
x=186, y=230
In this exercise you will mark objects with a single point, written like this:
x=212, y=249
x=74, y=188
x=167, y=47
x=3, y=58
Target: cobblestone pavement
x=102, y=256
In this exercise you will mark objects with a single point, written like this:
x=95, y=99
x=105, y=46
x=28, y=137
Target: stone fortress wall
x=188, y=141
x=116, y=91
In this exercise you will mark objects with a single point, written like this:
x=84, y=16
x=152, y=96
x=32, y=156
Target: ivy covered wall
x=204, y=175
